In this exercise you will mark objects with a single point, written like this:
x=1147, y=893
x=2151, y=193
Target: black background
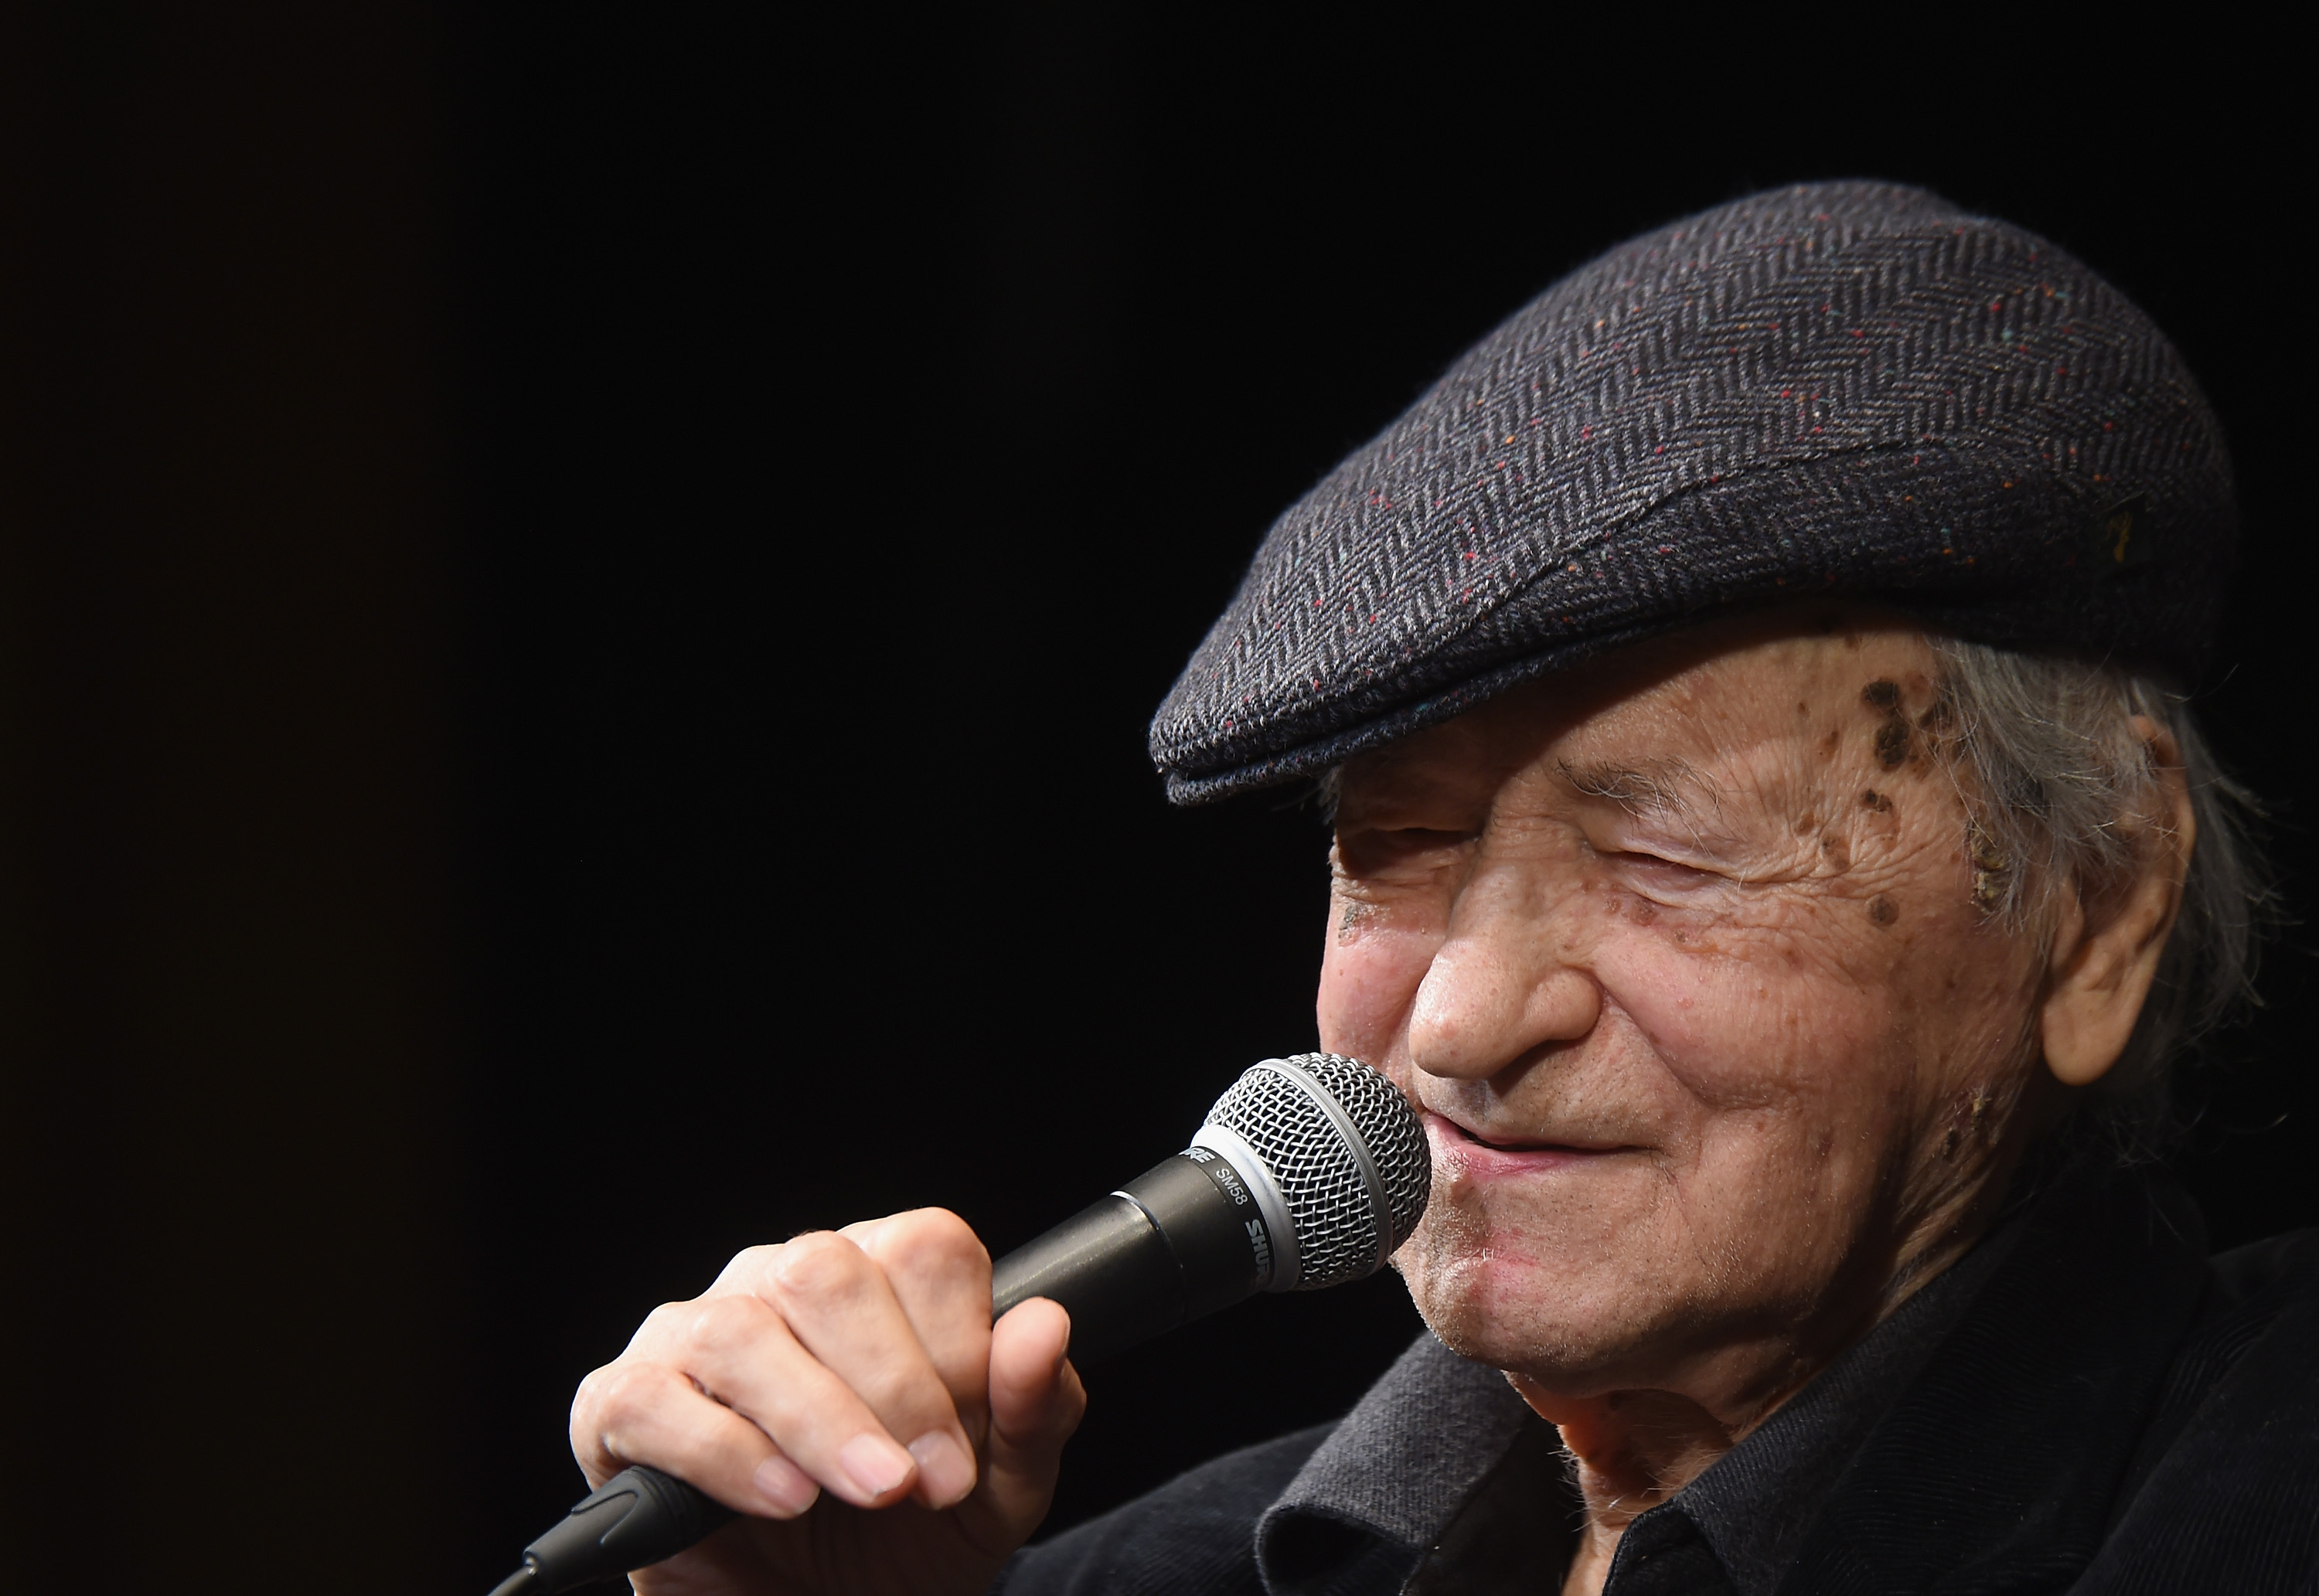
x=581, y=590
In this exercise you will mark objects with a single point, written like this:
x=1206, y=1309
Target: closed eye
x=1375, y=853
x=1654, y=876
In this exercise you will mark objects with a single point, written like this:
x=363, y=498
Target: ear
x=2104, y=951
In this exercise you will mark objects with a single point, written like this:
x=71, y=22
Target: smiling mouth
x=1523, y=1146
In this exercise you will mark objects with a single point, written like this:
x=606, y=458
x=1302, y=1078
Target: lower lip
x=1456, y=1150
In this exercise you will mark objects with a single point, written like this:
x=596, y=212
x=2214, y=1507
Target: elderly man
x=1773, y=852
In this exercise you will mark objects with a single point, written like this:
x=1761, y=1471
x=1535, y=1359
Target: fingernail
x=788, y=1489
x=945, y=1472
x=874, y=1463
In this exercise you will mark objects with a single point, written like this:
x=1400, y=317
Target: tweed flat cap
x=1844, y=386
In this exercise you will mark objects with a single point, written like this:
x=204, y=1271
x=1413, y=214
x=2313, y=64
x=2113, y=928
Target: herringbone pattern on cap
x=1849, y=386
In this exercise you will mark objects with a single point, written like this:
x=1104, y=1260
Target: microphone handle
x=1183, y=1239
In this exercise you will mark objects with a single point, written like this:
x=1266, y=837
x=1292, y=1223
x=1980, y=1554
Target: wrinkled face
x=1680, y=956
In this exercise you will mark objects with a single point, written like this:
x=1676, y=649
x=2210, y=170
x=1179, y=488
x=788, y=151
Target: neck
x=1633, y=1449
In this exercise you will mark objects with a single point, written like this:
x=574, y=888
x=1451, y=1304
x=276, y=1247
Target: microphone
x=1310, y=1172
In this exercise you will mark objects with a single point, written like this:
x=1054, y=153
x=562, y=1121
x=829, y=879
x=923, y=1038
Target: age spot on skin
x=1838, y=851
x=1872, y=799
x=1892, y=736
x=1882, y=910
x=1892, y=743
x=1355, y=913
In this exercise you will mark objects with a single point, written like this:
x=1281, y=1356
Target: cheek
x=1745, y=1020
x=1369, y=979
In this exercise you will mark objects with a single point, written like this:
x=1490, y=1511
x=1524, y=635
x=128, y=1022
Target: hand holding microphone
x=864, y=1366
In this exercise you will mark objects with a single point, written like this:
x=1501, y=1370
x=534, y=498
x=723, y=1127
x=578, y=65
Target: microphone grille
x=1320, y=1176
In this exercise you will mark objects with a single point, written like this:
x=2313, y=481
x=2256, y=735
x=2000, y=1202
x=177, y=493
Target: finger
x=640, y=1412
x=1036, y=1403
x=940, y=1274
x=745, y=1354
x=844, y=1311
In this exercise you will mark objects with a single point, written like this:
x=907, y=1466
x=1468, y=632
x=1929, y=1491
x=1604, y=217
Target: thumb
x=1036, y=1403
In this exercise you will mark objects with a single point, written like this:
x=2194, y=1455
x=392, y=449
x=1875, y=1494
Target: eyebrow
x=1657, y=790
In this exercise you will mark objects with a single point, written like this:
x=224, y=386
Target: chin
x=1498, y=1304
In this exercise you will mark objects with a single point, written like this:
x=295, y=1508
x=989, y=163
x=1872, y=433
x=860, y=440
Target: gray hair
x=2059, y=789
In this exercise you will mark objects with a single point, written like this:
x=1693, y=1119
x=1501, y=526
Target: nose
x=1500, y=986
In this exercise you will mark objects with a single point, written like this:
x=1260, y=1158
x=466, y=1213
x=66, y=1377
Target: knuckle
x=719, y=1325
x=587, y=1402
x=754, y=1260
x=935, y=1238
x=615, y=1397
x=911, y=1390
x=592, y=1385
x=822, y=1264
x=750, y=1264
x=657, y=1323
x=939, y=1230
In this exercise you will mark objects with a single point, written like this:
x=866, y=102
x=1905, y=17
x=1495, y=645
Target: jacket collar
x=1997, y=1468
x=1389, y=1481
x=1987, y=1428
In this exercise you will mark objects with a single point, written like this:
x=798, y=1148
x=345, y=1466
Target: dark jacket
x=2086, y=1403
